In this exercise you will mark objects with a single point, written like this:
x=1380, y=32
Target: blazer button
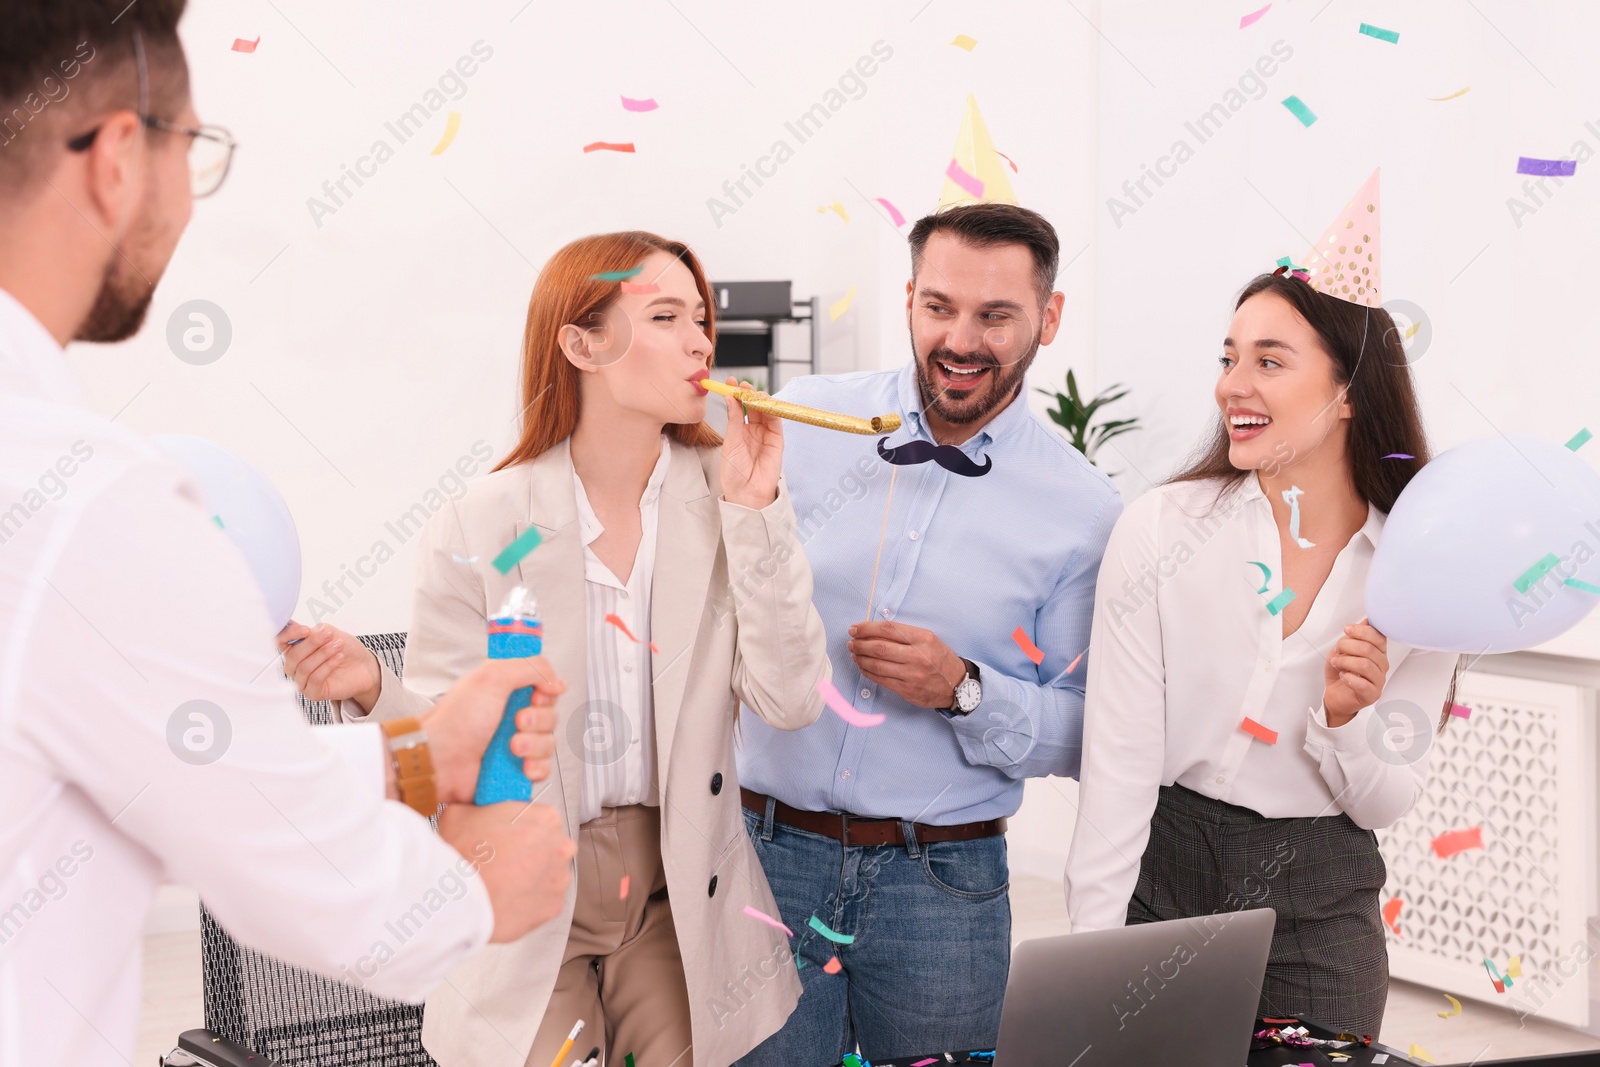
x=716, y=783
x=712, y=891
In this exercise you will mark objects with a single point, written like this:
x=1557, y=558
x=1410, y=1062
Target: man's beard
x=125, y=292
x=1006, y=381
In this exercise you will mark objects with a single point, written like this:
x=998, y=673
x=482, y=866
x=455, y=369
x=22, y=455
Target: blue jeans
x=927, y=970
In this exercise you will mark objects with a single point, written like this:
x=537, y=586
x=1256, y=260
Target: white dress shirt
x=121, y=602
x=1183, y=649
x=619, y=738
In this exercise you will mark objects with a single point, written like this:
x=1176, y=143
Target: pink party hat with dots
x=1345, y=261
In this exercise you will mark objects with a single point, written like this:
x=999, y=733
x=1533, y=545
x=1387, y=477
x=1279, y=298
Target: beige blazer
x=764, y=645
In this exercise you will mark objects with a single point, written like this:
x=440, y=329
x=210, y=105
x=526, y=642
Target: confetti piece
x=218, y=520
x=1299, y=110
x=1514, y=967
x=1266, y=574
x=647, y=104
x=1494, y=975
x=512, y=554
x=769, y=920
x=1029, y=649
x=837, y=208
x=1007, y=158
x=1382, y=1057
x=1535, y=572
x=1399, y=455
x=1281, y=601
x=924, y=1063
x=1253, y=17
x=1291, y=496
x=833, y=966
x=842, y=708
x=1417, y=1052
x=242, y=45
x=894, y=212
x=615, y=275
x=451, y=124
x=1392, y=36
x=1391, y=914
x=822, y=928
x=1460, y=711
x=963, y=179
x=1451, y=842
x=840, y=307
x=607, y=146
x=1550, y=168
x=622, y=894
x=1074, y=664
x=1255, y=729
x=463, y=559
x=1581, y=585
x=1454, y=1003
x=1579, y=439
x=1411, y=331
x=616, y=621
x=963, y=41
x=643, y=288
x=1452, y=96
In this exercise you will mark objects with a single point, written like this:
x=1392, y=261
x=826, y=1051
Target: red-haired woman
x=646, y=522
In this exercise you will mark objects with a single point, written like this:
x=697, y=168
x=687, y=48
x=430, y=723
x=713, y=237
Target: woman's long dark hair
x=1369, y=362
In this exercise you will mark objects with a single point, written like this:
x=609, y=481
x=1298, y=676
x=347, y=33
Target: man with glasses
x=121, y=606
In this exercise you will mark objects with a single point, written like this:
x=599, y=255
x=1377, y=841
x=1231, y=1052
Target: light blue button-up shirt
x=971, y=559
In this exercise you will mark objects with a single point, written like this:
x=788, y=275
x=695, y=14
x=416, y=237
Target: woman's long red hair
x=567, y=293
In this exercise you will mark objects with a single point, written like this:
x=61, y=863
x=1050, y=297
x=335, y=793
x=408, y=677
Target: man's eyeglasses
x=210, y=151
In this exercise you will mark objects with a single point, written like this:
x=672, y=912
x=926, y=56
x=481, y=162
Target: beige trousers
x=622, y=973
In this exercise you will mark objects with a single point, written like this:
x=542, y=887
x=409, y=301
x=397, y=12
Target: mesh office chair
x=291, y=1016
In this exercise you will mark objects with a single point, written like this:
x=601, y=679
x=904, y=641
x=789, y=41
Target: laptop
x=1183, y=991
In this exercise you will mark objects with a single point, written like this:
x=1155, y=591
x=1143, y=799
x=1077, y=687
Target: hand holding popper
x=799, y=413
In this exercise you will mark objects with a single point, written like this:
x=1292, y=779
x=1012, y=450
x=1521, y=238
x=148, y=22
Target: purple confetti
x=1550, y=168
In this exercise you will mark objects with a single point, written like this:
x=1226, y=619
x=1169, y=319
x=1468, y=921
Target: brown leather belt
x=856, y=830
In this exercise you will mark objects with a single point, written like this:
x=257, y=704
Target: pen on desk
x=567, y=1045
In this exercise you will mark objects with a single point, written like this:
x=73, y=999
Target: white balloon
x=253, y=514
x=1472, y=523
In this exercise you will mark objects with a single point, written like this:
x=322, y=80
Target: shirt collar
x=999, y=428
x=590, y=524
x=1372, y=529
x=32, y=364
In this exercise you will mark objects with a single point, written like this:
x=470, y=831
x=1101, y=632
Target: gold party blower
x=828, y=420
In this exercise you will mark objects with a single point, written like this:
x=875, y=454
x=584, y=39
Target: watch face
x=967, y=694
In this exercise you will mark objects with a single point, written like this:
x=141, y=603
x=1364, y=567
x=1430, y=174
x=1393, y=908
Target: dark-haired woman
x=1246, y=730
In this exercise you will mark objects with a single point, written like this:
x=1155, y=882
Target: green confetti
x=1535, y=572
x=1579, y=439
x=615, y=275
x=629, y=1059
x=1281, y=601
x=1392, y=36
x=1299, y=110
x=1582, y=586
x=512, y=554
x=218, y=520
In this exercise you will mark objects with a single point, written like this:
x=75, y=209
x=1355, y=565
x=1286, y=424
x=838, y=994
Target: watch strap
x=413, y=764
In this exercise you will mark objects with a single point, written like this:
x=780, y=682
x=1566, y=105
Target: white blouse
x=619, y=734
x=1183, y=649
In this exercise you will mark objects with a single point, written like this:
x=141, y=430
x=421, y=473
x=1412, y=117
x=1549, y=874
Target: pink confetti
x=609, y=146
x=963, y=179
x=924, y=1063
x=769, y=920
x=640, y=287
x=1007, y=158
x=1451, y=842
x=242, y=45
x=1253, y=16
x=1074, y=664
x=833, y=966
x=894, y=212
x=842, y=708
x=648, y=104
x=623, y=894
x=1460, y=711
x=619, y=624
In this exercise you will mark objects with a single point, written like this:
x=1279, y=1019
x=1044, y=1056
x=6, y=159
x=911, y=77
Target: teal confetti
x=218, y=520
x=1579, y=439
x=1392, y=36
x=512, y=554
x=616, y=275
x=1266, y=575
x=1299, y=110
x=1535, y=572
x=822, y=928
x=1281, y=601
x=1582, y=586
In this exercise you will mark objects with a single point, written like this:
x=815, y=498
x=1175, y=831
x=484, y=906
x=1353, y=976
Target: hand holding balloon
x=1354, y=673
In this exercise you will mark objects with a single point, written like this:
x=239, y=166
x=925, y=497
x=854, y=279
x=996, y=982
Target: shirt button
x=624, y=593
x=866, y=694
x=1221, y=778
x=716, y=783
x=912, y=535
x=628, y=667
x=1268, y=667
x=887, y=613
x=711, y=890
x=845, y=775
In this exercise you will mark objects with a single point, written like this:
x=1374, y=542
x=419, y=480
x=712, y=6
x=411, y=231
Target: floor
x=1481, y=1034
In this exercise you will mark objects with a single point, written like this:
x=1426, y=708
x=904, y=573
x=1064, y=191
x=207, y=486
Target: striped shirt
x=619, y=733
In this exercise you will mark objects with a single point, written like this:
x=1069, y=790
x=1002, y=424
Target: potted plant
x=1077, y=418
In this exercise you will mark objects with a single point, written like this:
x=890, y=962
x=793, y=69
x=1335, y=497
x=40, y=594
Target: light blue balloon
x=253, y=514
x=1472, y=523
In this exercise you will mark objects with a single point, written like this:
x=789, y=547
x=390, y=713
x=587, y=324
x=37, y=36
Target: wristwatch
x=413, y=764
x=969, y=692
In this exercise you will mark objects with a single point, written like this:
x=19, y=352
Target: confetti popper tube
x=514, y=633
x=828, y=420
